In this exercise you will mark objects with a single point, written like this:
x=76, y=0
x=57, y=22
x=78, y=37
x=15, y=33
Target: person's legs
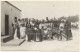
x=60, y=35
x=40, y=37
x=70, y=34
x=53, y=35
x=13, y=33
x=57, y=36
x=67, y=38
x=46, y=37
x=67, y=35
x=34, y=36
x=29, y=37
x=18, y=33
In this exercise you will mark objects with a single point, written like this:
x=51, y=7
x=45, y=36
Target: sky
x=51, y=9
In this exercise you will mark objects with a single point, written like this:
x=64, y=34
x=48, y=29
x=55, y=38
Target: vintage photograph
x=40, y=26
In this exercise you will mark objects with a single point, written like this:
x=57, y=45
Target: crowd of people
x=33, y=30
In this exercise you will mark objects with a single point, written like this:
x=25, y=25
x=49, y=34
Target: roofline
x=12, y=5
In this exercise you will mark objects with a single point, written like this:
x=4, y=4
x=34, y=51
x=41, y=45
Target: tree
x=47, y=18
x=61, y=18
x=73, y=18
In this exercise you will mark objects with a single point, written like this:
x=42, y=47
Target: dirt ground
x=52, y=45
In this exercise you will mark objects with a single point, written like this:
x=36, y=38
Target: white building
x=8, y=13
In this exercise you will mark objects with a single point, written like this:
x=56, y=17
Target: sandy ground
x=52, y=45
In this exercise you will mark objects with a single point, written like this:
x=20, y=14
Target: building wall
x=7, y=9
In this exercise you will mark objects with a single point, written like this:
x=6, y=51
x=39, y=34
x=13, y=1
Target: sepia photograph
x=40, y=26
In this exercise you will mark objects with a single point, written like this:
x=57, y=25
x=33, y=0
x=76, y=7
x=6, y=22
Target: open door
x=6, y=24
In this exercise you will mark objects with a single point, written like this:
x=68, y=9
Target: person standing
x=14, y=25
x=42, y=32
x=23, y=32
x=18, y=28
x=68, y=30
x=62, y=30
x=29, y=32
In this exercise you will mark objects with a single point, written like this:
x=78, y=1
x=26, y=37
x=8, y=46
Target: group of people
x=30, y=30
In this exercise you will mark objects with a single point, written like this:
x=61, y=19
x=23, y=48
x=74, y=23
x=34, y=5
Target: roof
x=13, y=5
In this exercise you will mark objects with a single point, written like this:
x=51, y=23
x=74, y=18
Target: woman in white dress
x=23, y=34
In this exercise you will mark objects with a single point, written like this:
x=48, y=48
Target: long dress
x=68, y=30
x=23, y=33
x=30, y=34
x=15, y=34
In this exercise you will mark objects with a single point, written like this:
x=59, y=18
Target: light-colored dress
x=23, y=34
x=61, y=26
x=15, y=34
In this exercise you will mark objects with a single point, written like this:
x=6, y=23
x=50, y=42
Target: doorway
x=6, y=24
